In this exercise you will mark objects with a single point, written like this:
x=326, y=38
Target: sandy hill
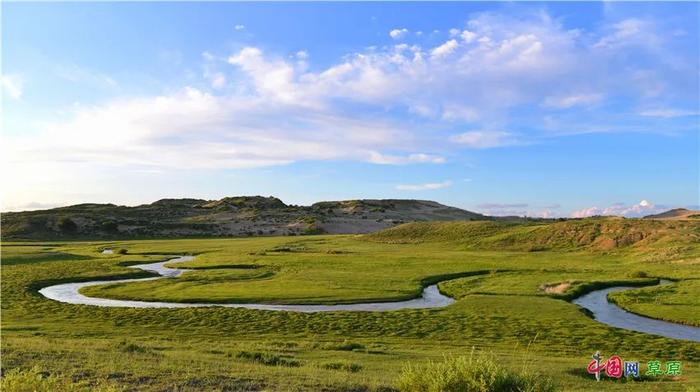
x=230, y=216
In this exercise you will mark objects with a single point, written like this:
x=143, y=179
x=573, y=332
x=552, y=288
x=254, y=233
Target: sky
x=537, y=109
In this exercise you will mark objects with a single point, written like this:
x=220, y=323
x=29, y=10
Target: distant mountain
x=230, y=216
x=676, y=213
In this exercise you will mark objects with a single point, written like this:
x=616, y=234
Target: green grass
x=501, y=309
x=474, y=373
x=679, y=302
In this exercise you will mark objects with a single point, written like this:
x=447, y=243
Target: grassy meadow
x=499, y=274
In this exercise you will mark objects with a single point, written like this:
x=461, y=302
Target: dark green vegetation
x=231, y=216
x=509, y=306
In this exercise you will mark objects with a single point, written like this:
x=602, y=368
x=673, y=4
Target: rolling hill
x=598, y=234
x=230, y=216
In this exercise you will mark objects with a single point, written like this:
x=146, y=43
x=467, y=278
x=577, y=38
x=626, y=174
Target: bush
x=123, y=251
x=32, y=380
x=346, y=366
x=346, y=345
x=268, y=359
x=476, y=373
x=638, y=274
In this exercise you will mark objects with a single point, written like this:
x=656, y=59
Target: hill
x=230, y=216
x=676, y=213
x=600, y=234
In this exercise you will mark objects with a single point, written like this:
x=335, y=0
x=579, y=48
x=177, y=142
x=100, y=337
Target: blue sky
x=539, y=109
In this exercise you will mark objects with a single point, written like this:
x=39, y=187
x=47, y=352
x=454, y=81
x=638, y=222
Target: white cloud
x=628, y=32
x=485, y=139
x=667, y=113
x=12, y=85
x=454, y=32
x=424, y=187
x=280, y=112
x=641, y=209
x=445, y=49
x=239, y=27
x=218, y=80
x=459, y=113
x=398, y=33
x=468, y=36
x=568, y=101
x=302, y=55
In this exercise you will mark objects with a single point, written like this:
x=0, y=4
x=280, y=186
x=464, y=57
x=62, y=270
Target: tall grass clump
x=38, y=380
x=474, y=373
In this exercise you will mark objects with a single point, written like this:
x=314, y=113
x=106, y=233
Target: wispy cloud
x=668, y=112
x=424, y=187
x=568, y=101
x=12, y=85
x=485, y=139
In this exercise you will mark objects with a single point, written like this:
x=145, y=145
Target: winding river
x=70, y=293
x=611, y=314
x=595, y=301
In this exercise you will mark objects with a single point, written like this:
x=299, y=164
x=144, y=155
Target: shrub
x=123, y=251
x=268, y=359
x=32, y=380
x=346, y=366
x=638, y=274
x=475, y=373
x=344, y=346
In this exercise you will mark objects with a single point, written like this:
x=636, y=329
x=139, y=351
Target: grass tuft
x=475, y=373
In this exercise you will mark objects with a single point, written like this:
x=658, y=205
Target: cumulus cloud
x=280, y=112
x=398, y=33
x=12, y=85
x=640, y=209
x=485, y=139
x=468, y=36
x=424, y=187
x=445, y=49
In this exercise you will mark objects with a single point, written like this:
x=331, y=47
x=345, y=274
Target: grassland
x=505, y=311
x=679, y=302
